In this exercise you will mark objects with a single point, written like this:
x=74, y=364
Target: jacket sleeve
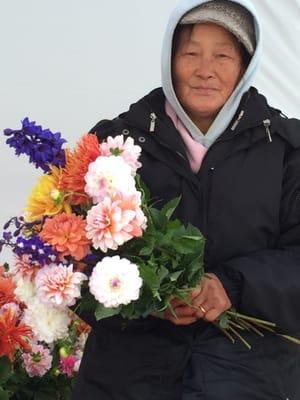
x=266, y=284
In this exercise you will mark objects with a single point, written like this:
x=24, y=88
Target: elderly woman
x=209, y=137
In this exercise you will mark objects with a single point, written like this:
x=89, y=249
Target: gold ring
x=203, y=309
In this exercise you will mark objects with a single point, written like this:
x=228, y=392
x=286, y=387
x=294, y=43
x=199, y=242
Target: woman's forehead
x=206, y=33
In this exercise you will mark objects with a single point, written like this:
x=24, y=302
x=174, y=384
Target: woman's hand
x=208, y=302
x=212, y=300
x=185, y=314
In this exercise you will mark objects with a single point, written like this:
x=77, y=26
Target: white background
x=69, y=63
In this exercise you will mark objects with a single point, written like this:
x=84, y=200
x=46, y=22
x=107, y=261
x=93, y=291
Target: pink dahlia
x=25, y=267
x=38, y=361
x=58, y=285
x=126, y=149
x=114, y=221
x=13, y=306
x=67, y=365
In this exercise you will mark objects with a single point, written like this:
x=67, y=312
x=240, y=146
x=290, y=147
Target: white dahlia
x=115, y=281
x=25, y=289
x=107, y=176
x=47, y=323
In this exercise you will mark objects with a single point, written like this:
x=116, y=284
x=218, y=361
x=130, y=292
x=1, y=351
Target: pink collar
x=194, y=150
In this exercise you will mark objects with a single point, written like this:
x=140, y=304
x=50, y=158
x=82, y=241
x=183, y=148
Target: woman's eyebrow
x=224, y=44
x=219, y=44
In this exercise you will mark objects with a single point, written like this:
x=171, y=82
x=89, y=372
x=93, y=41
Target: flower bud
x=64, y=352
x=56, y=195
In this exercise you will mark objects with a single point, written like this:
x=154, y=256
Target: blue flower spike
x=43, y=147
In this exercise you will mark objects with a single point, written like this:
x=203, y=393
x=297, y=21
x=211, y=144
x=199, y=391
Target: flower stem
x=240, y=337
x=252, y=319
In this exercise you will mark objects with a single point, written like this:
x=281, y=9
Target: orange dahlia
x=7, y=290
x=13, y=335
x=67, y=234
x=77, y=162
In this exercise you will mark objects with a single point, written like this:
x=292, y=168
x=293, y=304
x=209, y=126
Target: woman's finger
x=175, y=302
x=183, y=311
x=202, y=309
x=182, y=321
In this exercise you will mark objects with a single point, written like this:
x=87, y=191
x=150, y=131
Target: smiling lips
x=204, y=90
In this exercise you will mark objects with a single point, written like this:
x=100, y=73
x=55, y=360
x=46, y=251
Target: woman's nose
x=204, y=68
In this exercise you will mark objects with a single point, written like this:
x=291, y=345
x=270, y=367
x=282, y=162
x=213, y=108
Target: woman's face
x=207, y=66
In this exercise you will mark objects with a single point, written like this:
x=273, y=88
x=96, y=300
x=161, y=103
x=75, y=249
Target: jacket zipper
x=153, y=119
x=267, y=124
x=237, y=121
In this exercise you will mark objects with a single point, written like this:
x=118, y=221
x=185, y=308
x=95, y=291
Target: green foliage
x=4, y=394
x=170, y=260
x=170, y=207
x=102, y=312
x=5, y=370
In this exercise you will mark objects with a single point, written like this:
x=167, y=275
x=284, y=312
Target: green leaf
x=46, y=393
x=149, y=276
x=87, y=303
x=148, y=249
x=102, y=312
x=190, y=237
x=4, y=394
x=192, y=230
x=128, y=310
x=142, y=187
x=162, y=273
x=186, y=246
x=170, y=207
x=175, y=275
x=5, y=369
x=158, y=219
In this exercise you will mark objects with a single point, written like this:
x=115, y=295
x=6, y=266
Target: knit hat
x=228, y=14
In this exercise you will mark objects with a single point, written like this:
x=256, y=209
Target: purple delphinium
x=39, y=252
x=41, y=145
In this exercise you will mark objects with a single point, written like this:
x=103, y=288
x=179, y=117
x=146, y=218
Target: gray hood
x=229, y=109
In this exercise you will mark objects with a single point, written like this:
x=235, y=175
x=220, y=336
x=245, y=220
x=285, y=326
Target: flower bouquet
x=90, y=239
x=40, y=347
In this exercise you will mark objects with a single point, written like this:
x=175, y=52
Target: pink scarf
x=195, y=151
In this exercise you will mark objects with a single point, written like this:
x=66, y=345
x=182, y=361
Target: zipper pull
x=267, y=124
x=153, y=119
x=237, y=121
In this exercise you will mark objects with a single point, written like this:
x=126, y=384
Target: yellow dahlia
x=46, y=199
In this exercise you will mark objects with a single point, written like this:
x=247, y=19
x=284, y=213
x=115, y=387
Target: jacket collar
x=253, y=112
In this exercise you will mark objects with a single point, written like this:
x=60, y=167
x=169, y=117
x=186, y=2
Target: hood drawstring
x=267, y=124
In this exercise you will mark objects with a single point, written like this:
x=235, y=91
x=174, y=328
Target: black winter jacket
x=246, y=201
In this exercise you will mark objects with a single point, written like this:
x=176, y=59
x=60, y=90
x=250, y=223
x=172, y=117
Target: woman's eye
x=222, y=55
x=191, y=53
